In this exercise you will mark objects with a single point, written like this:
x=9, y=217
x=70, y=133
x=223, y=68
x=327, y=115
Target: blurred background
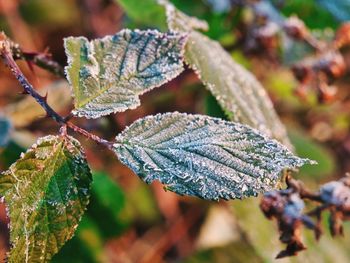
x=129, y=221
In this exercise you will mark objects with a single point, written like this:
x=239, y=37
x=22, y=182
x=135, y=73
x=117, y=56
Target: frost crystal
x=203, y=156
x=108, y=75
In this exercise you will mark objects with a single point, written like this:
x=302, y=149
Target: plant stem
x=89, y=135
x=41, y=59
x=5, y=52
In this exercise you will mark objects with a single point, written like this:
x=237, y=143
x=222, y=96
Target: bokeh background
x=129, y=221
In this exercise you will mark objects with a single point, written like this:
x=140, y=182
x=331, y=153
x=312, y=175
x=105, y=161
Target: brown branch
x=6, y=54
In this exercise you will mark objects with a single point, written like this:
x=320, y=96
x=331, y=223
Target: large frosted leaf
x=238, y=92
x=46, y=193
x=203, y=156
x=108, y=75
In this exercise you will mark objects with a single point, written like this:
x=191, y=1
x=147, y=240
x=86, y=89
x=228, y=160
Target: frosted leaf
x=46, y=193
x=203, y=156
x=238, y=92
x=108, y=75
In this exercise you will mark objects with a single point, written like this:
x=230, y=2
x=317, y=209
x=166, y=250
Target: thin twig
x=89, y=135
x=5, y=52
x=41, y=59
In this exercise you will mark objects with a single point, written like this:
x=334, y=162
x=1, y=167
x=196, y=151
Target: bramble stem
x=28, y=88
x=41, y=59
x=89, y=135
x=6, y=54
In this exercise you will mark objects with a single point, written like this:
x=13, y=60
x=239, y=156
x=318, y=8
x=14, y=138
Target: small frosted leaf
x=108, y=75
x=238, y=92
x=46, y=193
x=203, y=156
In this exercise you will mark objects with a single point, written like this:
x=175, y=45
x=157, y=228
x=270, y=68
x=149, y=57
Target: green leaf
x=5, y=130
x=212, y=108
x=109, y=74
x=46, y=192
x=107, y=193
x=305, y=146
x=181, y=22
x=10, y=153
x=312, y=12
x=106, y=203
x=203, y=156
x=238, y=92
x=339, y=9
x=85, y=247
x=146, y=11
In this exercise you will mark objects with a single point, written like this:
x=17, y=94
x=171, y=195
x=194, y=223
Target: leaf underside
x=238, y=92
x=46, y=192
x=203, y=156
x=108, y=75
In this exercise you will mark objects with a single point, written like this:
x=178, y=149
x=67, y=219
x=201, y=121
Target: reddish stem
x=89, y=135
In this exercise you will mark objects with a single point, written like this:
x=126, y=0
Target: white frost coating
x=108, y=75
x=203, y=156
x=238, y=92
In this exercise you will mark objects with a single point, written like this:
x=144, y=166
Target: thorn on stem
x=45, y=96
x=24, y=92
